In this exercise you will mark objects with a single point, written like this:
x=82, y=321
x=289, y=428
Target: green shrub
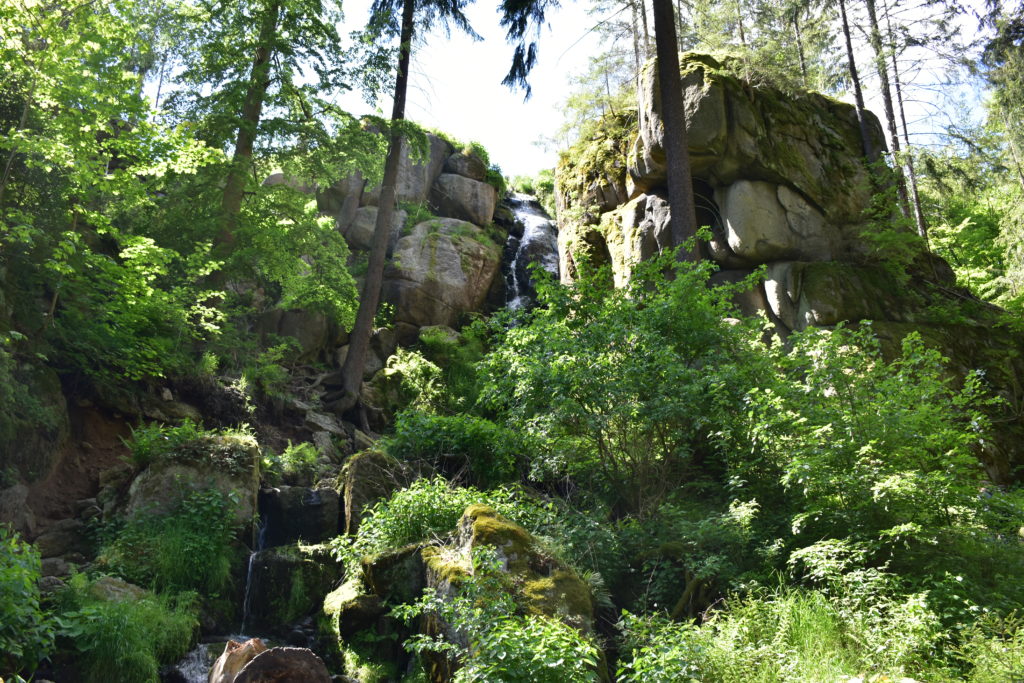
x=152, y=442
x=787, y=635
x=487, y=453
x=189, y=549
x=125, y=641
x=502, y=645
x=26, y=632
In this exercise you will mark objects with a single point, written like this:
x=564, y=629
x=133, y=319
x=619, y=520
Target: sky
x=456, y=83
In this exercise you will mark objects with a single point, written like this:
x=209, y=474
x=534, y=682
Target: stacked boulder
x=783, y=184
x=441, y=267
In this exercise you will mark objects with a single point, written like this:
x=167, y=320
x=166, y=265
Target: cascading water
x=261, y=541
x=537, y=244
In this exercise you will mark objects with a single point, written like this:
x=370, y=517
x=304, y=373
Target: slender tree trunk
x=683, y=221
x=252, y=108
x=9, y=165
x=637, y=61
x=679, y=24
x=915, y=196
x=875, y=38
x=647, y=33
x=359, y=340
x=739, y=23
x=800, y=46
x=865, y=139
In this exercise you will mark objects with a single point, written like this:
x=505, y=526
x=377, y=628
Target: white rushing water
x=538, y=244
x=261, y=540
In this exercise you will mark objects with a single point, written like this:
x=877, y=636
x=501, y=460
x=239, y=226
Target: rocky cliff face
x=782, y=184
x=441, y=267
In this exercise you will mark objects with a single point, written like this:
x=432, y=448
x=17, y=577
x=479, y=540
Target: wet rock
x=288, y=583
x=284, y=665
x=295, y=513
x=234, y=658
x=66, y=536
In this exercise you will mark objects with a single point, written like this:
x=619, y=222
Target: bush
x=502, y=645
x=190, y=549
x=787, y=635
x=26, y=632
x=487, y=453
x=624, y=387
x=125, y=641
x=152, y=442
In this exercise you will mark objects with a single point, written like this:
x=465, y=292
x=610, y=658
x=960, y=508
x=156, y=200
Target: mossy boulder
x=288, y=583
x=369, y=476
x=546, y=585
x=441, y=270
x=226, y=463
x=806, y=141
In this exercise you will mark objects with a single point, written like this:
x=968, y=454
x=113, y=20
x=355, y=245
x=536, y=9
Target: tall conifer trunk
x=915, y=196
x=683, y=221
x=359, y=340
x=252, y=109
x=875, y=38
x=865, y=139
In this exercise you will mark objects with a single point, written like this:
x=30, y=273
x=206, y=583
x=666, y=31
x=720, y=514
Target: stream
x=537, y=243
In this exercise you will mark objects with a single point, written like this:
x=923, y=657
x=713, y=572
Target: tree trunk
x=647, y=33
x=683, y=221
x=922, y=223
x=637, y=61
x=800, y=46
x=865, y=139
x=359, y=340
x=875, y=37
x=252, y=108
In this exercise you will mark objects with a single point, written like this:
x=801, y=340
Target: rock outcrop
x=440, y=271
x=782, y=183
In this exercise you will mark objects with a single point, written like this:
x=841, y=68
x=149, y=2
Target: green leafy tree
x=624, y=384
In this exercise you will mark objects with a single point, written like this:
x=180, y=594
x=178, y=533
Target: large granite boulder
x=359, y=232
x=467, y=165
x=455, y=196
x=415, y=177
x=440, y=271
x=809, y=142
x=229, y=464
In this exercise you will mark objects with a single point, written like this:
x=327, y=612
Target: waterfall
x=537, y=244
x=261, y=541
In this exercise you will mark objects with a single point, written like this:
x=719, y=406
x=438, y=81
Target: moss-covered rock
x=226, y=463
x=367, y=477
x=288, y=583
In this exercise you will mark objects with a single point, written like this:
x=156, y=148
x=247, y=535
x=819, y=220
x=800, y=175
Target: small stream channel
x=537, y=242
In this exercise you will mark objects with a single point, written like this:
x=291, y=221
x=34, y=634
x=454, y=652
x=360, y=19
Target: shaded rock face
x=288, y=583
x=227, y=464
x=295, y=513
x=441, y=270
x=284, y=665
